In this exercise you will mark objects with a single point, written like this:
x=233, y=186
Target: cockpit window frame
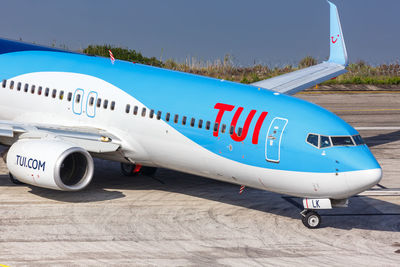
x=349, y=136
x=309, y=142
x=361, y=139
x=320, y=141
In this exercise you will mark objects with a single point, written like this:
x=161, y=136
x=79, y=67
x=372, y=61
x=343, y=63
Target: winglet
x=338, y=53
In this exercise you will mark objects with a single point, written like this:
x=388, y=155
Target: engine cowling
x=53, y=164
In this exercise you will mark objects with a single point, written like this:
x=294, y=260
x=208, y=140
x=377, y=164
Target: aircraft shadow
x=382, y=139
x=93, y=194
x=363, y=213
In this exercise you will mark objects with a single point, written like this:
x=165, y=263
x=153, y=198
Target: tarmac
x=178, y=219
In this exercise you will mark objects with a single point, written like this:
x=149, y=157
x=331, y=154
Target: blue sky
x=267, y=32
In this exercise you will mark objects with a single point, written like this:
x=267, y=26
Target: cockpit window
x=312, y=139
x=358, y=140
x=325, y=141
x=342, y=141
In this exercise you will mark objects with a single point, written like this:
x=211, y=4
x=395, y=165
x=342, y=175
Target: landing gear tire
x=311, y=219
x=13, y=180
x=127, y=169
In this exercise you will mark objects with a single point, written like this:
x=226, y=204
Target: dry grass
x=359, y=73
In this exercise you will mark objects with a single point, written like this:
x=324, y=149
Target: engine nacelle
x=51, y=164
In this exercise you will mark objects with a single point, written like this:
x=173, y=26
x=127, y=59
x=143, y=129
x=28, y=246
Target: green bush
x=121, y=53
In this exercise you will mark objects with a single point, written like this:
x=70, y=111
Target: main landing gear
x=136, y=169
x=13, y=180
x=310, y=219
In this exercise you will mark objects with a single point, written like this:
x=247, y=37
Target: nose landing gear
x=310, y=219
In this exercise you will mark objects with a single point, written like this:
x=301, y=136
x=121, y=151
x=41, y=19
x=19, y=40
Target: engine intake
x=53, y=164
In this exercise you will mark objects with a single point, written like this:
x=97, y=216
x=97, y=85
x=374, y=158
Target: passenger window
x=342, y=141
x=231, y=129
x=12, y=85
x=208, y=125
x=184, y=120
x=112, y=105
x=167, y=116
x=54, y=93
x=4, y=83
x=325, y=141
x=105, y=104
x=128, y=108
x=240, y=131
x=192, y=121
x=26, y=88
x=312, y=139
x=135, y=110
x=69, y=96
x=98, y=104
x=61, y=96
x=39, y=92
x=33, y=89
x=46, y=92
x=176, y=118
x=19, y=85
x=200, y=124
x=358, y=140
x=91, y=101
x=151, y=115
x=223, y=128
x=158, y=115
x=143, y=112
x=78, y=98
x=216, y=127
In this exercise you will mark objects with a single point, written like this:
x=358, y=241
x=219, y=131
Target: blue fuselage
x=198, y=97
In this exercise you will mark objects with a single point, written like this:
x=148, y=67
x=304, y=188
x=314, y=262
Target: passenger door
x=274, y=138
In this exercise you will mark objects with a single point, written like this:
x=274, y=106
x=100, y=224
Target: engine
x=53, y=164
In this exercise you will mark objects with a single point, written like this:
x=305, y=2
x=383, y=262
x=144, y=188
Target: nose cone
x=367, y=172
x=359, y=181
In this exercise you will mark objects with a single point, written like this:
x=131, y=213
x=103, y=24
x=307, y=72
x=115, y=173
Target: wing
x=92, y=139
x=299, y=80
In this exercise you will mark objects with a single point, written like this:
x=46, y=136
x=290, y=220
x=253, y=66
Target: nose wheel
x=310, y=219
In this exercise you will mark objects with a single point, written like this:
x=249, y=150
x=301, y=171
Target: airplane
x=59, y=109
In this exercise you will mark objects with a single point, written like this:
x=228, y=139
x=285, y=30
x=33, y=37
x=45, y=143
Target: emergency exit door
x=77, y=101
x=274, y=139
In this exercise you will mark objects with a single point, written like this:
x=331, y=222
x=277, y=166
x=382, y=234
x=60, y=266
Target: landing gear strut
x=310, y=219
